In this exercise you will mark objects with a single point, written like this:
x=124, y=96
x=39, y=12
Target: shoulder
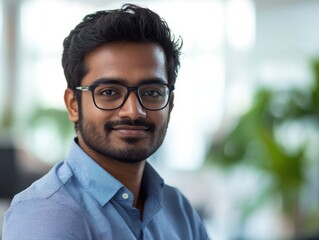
x=43, y=218
x=173, y=196
x=47, y=185
x=176, y=205
x=45, y=210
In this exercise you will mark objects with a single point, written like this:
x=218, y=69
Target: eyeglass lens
x=111, y=96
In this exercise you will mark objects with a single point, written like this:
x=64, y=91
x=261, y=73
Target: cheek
x=91, y=113
x=161, y=117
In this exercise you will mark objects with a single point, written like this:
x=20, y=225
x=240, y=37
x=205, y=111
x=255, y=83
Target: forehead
x=128, y=62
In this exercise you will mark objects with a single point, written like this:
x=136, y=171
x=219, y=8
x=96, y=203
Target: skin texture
x=121, y=140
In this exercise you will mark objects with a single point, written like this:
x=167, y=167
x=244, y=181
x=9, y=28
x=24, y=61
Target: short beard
x=132, y=153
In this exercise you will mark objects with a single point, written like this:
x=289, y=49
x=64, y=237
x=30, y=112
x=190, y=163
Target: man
x=121, y=67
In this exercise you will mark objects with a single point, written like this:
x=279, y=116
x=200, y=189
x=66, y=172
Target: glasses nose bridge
x=132, y=89
x=135, y=90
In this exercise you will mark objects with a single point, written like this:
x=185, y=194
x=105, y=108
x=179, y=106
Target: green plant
x=255, y=142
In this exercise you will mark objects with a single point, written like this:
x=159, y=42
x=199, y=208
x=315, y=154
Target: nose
x=132, y=108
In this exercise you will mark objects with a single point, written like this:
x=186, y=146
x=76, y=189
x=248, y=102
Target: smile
x=130, y=131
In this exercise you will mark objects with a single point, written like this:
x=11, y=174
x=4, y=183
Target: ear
x=71, y=105
x=171, y=103
x=170, y=106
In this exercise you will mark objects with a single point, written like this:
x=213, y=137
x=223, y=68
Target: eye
x=152, y=93
x=108, y=92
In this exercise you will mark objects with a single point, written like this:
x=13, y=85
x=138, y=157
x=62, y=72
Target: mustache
x=110, y=125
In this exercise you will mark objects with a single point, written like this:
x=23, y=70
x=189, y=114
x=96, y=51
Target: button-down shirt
x=77, y=199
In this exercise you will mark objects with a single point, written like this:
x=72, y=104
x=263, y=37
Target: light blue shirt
x=79, y=200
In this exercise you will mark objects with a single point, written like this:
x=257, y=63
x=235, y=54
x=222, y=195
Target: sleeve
x=185, y=216
x=44, y=219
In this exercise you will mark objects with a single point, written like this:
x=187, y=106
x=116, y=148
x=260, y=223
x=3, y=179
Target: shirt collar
x=101, y=184
x=91, y=176
x=152, y=182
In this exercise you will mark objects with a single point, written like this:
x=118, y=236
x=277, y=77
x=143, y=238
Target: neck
x=129, y=174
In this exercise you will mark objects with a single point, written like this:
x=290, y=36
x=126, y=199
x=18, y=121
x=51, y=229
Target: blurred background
x=244, y=134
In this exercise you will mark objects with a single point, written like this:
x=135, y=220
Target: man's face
x=130, y=133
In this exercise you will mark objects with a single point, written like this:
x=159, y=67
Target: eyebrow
x=122, y=81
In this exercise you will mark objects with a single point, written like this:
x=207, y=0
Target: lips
x=130, y=126
x=130, y=131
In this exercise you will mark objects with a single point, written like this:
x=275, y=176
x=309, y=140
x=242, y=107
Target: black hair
x=130, y=23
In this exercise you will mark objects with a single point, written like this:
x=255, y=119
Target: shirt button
x=125, y=196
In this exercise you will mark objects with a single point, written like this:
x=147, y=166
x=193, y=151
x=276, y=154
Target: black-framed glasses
x=110, y=96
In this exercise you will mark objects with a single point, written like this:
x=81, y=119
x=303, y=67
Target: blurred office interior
x=243, y=139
